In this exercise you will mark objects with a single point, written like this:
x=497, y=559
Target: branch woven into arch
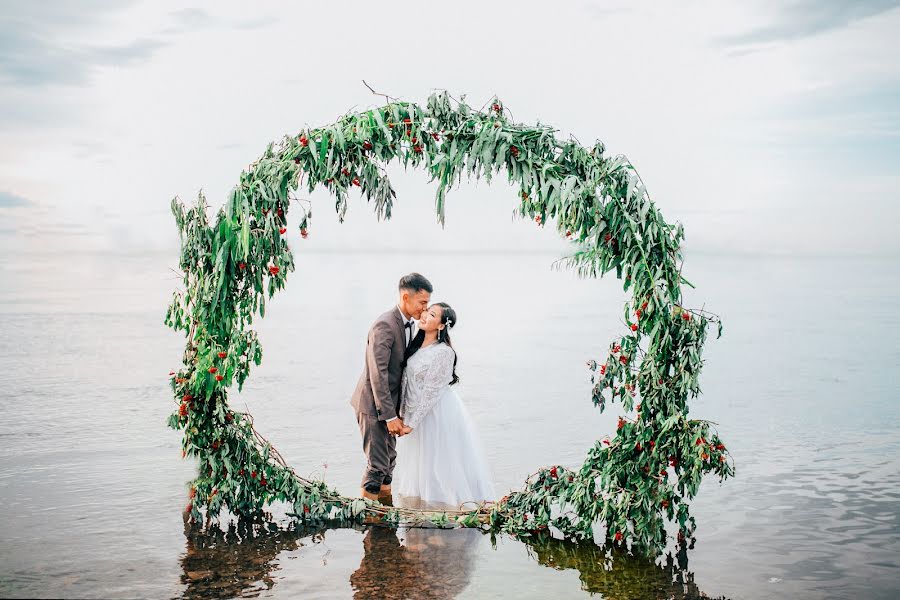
x=632, y=483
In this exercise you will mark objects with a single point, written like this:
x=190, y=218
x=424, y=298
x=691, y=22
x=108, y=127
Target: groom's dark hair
x=414, y=282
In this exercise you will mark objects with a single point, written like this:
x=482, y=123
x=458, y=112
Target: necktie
x=408, y=327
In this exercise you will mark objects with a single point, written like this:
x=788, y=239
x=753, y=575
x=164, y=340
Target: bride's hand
x=406, y=429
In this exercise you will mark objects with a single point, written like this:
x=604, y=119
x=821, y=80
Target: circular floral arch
x=631, y=482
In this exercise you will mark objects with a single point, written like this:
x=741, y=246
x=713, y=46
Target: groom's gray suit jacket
x=378, y=392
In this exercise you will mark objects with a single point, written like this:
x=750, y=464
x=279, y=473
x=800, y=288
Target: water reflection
x=616, y=575
x=429, y=563
x=433, y=563
x=238, y=561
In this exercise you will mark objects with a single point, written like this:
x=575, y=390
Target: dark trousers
x=381, y=452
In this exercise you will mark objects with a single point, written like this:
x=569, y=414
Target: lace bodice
x=428, y=373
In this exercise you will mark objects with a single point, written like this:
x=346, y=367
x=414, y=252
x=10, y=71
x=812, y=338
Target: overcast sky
x=762, y=126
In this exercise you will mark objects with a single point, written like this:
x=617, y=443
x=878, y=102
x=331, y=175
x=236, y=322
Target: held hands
x=397, y=427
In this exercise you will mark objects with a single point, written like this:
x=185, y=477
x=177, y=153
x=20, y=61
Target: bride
x=440, y=462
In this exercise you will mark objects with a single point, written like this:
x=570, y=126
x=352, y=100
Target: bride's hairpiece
x=449, y=322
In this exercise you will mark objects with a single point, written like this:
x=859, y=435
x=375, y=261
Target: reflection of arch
x=429, y=563
x=617, y=575
x=232, y=563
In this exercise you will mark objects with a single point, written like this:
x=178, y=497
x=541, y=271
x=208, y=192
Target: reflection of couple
x=429, y=564
x=406, y=391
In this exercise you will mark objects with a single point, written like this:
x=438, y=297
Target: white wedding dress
x=441, y=463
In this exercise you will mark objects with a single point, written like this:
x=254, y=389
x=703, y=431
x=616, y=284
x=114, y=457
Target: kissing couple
x=416, y=432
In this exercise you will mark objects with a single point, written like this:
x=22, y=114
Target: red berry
x=303, y=233
x=495, y=107
x=229, y=418
x=665, y=504
x=345, y=172
x=223, y=354
x=720, y=446
x=663, y=473
x=618, y=536
x=514, y=151
x=219, y=378
x=367, y=145
x=638, y=313
x=242, y=266
x=253, y=475
x=265, y=211
x=602, y=369
x=606, y=442
x=704, y=456
x=652, y=444
x=305, y=508
x=417, y=148
x=303, y=141
x=436, y=137
x=553, y=472
x=607, y=237
x=215, y=445
x=283, y=230
x=187, y=398
x=414, y=140
x=213, y=369
x=623, y=359
x=621, y=423
x=241, y=472
x=274, y=270
x=634, y=327
x=638, y=447
x=355, y=181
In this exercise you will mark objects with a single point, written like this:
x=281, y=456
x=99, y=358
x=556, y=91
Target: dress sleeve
x=436, y=379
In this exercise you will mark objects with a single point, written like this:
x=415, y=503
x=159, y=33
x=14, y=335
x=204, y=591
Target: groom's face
x=415, y=302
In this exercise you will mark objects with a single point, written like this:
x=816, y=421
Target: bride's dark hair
x=448, y=319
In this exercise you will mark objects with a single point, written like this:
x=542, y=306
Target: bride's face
x=431, y=318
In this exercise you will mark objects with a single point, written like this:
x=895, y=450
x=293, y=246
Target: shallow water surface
x=803, y=388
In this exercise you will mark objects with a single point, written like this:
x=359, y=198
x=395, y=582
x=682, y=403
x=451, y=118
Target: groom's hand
x=395, y=426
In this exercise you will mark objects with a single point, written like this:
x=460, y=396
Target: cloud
x=804, y=18
x=8, y=199
x=33, y=50
x=193, y=18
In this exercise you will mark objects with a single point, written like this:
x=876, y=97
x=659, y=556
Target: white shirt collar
x=403, y=318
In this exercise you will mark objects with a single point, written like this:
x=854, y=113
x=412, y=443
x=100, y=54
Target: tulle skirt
x=442, y=464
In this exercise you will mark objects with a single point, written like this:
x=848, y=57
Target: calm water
x=803, y=385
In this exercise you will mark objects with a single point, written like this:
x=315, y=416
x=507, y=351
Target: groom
x=377, y=396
